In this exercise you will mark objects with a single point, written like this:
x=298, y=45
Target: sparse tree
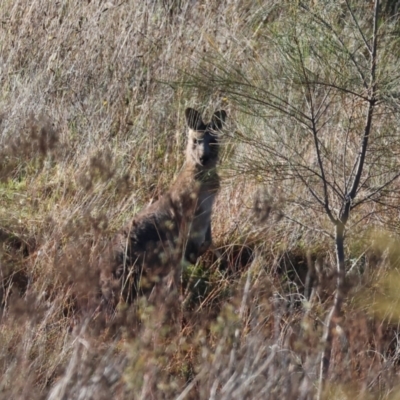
x=321, y=80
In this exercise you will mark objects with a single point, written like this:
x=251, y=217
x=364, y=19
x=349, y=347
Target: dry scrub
x=92, y=102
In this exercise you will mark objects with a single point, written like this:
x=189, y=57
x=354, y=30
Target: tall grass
x=92, y=129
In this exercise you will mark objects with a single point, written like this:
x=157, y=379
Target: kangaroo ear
x=218, y=119
x=193, y=119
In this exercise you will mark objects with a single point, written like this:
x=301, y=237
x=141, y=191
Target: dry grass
x=91, y=130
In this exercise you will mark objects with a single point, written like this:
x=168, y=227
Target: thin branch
x=276, y=105
x=271, y=105
x=368, y=124
x=315, y=135
x=323, y=22
x=375, y=191
x=347, y=182
x=340, y=89
x=309, y=228
x=387, y=205
x=358, y=27
x=322, y=125
x=322, y=203
x=247, y=84
x=322, y=110
x=363, y=218
x=296, y=166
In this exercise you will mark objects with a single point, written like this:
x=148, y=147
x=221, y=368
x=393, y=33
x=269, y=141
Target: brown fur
x=177, y=226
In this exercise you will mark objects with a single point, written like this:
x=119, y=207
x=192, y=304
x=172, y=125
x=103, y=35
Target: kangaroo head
x=202, y=148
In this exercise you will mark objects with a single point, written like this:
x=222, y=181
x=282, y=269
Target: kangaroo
x=178, y=225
